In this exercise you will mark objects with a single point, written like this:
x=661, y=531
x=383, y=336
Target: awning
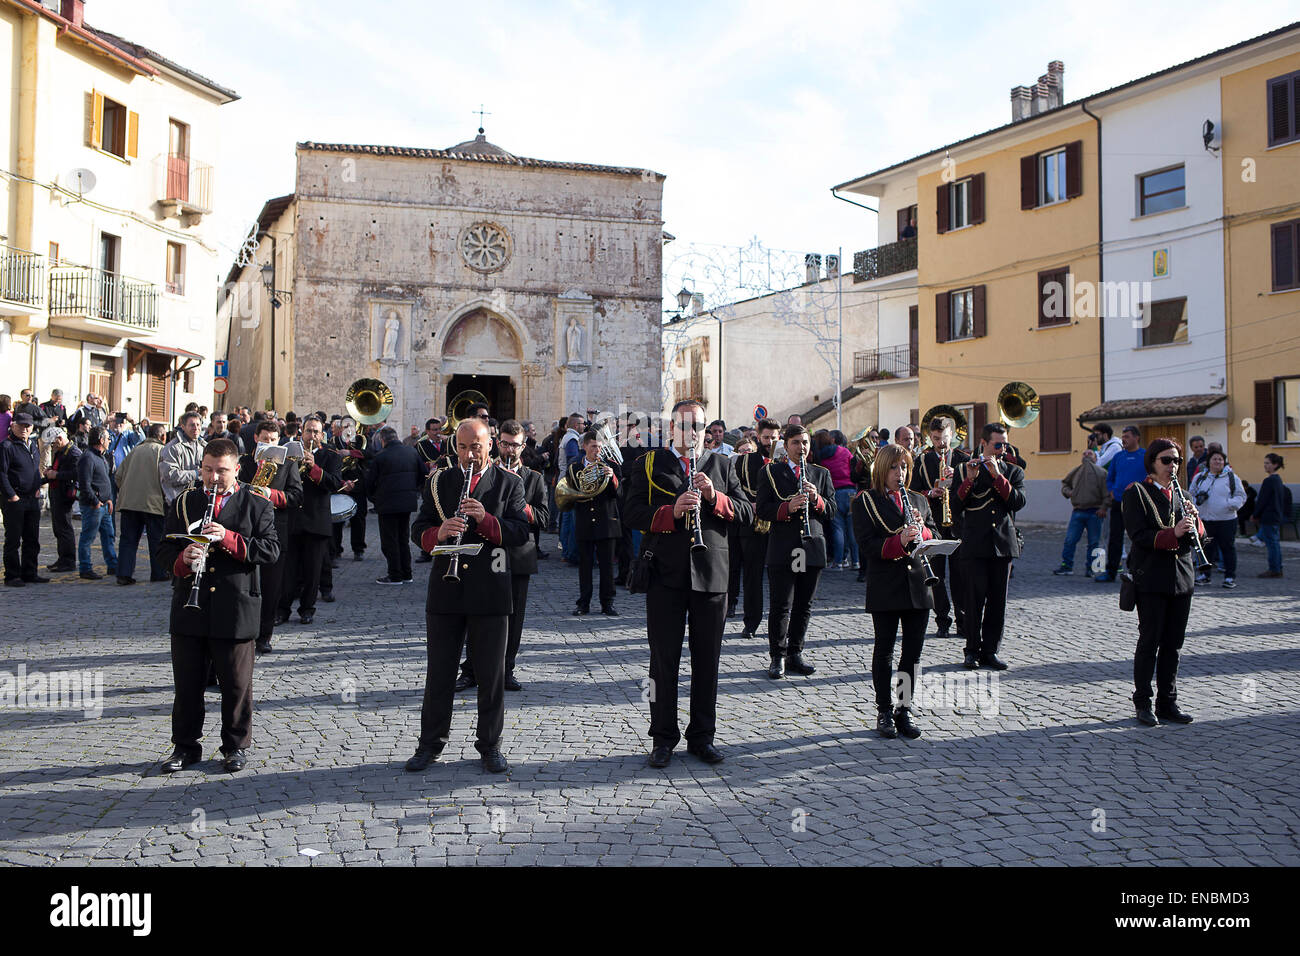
x=164, y=349
x=1143, y=408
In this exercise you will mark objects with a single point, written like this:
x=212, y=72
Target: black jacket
x=230, y=594
x=314, y=516
x=484, y=589
x=749, y=472
x=776, y=486
x=288, y=482
x=596, y=519
x=985, y=516
x=93, y=483
x=65, y=464
x=926, y=472
x=1269, y=501
x=393, y=479
x=20, y=468
x=1161, y=562
x=429, y=452
x=896, y=583
x=523, y=559
x=656, y=484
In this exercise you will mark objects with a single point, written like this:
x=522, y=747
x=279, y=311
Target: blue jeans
x=1080, y=519
x=568, y=537
x=1271, y=535
x=96, y=520
x=842, y=540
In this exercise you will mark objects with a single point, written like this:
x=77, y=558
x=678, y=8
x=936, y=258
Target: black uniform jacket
x=429, y=452
x=597, y=518
x=285, y=492
x=923, y=477
x=321, y=481
x=775, y=488
x=484, y=588
x=1160, y=561
x=749, y=472
x=986, y=506
x=393, y=479
x=656, y=485
x=537, y=509
x=895, y=582
x=230, y=594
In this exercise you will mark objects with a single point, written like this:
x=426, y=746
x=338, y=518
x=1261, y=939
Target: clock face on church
x=484, y=246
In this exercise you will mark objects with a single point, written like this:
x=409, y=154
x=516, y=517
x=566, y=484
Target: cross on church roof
x=481, y=113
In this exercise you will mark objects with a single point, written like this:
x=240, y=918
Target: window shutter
x=942, y=317
x=1280, y=115
x=979, y=324
x=913, y=340
x=1028, y=181
x=1284, y=256
x=902, y=221
x=977, y=198
x=1265, y=412
x=1074, y=169
x=941, y=203
x=133, y=135
x=1045, y=279
x=981, y=416
x=1047, y=423
x=96, y=118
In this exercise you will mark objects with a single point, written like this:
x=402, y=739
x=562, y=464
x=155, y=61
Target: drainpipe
x=852, y=202
x=273, y=311
x=1101, y=260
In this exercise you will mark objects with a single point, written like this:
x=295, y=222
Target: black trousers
x=233, y=663
x=395, y=542
x=445, y=635
x=886, y=625
x=986, y=582
x=948, y=571
x=272, y=588
x=792, y=596
x=22, y=544
x=736, y=561
x=1162, y=626
x=754, y=549
x=64, y=537
x=518, y=601
x=1115, y=542
x=302, y=571
x=356, y=527
x=604, y=556
x=672, y=614
x=623, y=551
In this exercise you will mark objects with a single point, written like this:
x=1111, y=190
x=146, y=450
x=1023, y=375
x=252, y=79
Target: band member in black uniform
x=931, y=477
x=753, y=535
x=310, y=526
x=596, y=526
x=984, y=505
x=688, y=584
x=430, y=448
x=284, y=491
x=523, y=559
x=476, y=604
x=227, y=621
x=796, y=547
x=896, y=591
x=631, y=453
x=1164, y=536
x=356, y=457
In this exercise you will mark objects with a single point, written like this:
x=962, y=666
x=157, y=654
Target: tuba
x=458, y=406
x=1018, y=405
x=369, y=401
x=863, y=448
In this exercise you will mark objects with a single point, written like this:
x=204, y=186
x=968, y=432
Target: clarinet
x=697, y=529
x=912, y=518
x=806, y=520
x=201, y=564
x=1201, y=560
x=453, y=568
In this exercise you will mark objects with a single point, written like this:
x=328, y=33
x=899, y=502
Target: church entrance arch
x=499, y=391
x=482, y=351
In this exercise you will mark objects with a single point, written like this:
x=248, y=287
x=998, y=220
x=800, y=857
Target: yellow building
x=107, y=277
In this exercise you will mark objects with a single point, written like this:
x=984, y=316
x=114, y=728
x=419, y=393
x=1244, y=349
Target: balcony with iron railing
x=887, y=260
x=875, y=365
x=22, y=281
x=93, y=300
x=187, y=184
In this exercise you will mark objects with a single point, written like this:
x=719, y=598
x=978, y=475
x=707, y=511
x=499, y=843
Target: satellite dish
x=79, y=181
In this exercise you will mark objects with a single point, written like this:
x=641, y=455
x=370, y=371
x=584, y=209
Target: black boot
x=903, y=720
x=1145, y=716
x=797, y=665
x=1167, y=712
x=777, y=669
x=885, y=724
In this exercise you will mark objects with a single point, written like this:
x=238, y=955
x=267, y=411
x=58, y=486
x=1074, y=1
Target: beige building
x=107, y=273
x=442, y=271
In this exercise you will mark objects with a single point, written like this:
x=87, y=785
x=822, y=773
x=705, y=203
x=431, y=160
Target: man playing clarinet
x=284, y=491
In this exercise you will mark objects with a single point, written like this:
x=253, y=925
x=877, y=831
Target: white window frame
x=959, y=204
x=1043, y=162
x=969, y=412
x=1285, y=435
x=962, y=295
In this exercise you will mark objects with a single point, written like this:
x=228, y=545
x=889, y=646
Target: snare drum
x=342, y=507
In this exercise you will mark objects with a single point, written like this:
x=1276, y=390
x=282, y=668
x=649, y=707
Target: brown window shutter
x=1280, y=117
x=1028, y=181
x=133, y=135
x=942, y=317
x=1065, y=424
x=913, y=340
x=1047, y=423
x=902, y=221
x=96, y=118
x=1286, y=270
x=941, y=202
x=977, y=198
x=981, y=419
x=1265, y=412
x=1074, y=169
x=979, y=324
x=1045, y=279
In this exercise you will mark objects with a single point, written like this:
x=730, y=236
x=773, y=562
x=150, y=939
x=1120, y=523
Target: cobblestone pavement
x=1059, y=775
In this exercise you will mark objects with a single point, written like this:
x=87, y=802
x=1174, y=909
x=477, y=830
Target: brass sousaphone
x=369, y=401
x=1018, y=405
x=459, y=406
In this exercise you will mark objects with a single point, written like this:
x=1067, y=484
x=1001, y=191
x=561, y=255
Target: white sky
x=753, y=110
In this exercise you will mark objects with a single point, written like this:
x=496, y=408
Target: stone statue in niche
x=392, y=332
x=573, y=337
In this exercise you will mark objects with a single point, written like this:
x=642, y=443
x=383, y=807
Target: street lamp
x=683, y=299
x=268, y=280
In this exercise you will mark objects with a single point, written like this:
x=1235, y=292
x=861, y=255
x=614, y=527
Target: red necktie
x=1169, y=494
x=898, y=501
x=473, y=483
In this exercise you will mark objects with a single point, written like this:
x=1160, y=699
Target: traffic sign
x=760, y=412
x=221, y=368
x=220, y=384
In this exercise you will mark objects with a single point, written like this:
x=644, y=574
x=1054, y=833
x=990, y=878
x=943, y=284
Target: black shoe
x=579, y=610
x=305, y=617
x=422, y=757
x=494, y=762
x=282, y=617
x=942, y=633
x=541, y=556
x=327, y=597
x=903, y=721
x=862, y=577
x=660, y=756
x=620, y=581
x=263, y=647
x=236, y=761
x=334, y=565
x=423, y=558
x=125, y=581
x=358, y=555
x=970, y=661
x=993, y=661
x=511, y=683
x=180, y=759
x=14, y=582
x=777, y=669
x=885, y=725
x=465, y=682
x=1063, y=570
x=91, y=575
x=746, y=635
x=1145, y=716
x=797, y=665
x=609, y=611
x=731, y=611
x=388, y=580
x=58, y=566
x=706, y=752
x=1170, y=714
x=41, y=580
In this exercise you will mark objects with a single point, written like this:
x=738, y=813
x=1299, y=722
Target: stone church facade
x=534, y=283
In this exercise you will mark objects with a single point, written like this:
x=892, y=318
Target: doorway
x=499, y=391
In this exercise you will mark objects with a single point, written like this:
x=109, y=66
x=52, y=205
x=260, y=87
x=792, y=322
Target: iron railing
x=96, y=294
x=872, y=365
x=22, y=276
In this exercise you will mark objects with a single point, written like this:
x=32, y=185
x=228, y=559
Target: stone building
x=439, y=271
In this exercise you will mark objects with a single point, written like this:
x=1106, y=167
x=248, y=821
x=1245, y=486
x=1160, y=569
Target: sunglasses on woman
x=1169, y=460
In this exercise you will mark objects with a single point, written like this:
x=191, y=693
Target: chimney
x=1020, y=106
x=1040, y=98
x=1056, y=70
x=832, y=266
x=812, y=267
x=697, y=303
x=1047, y=94
x=73, y=10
